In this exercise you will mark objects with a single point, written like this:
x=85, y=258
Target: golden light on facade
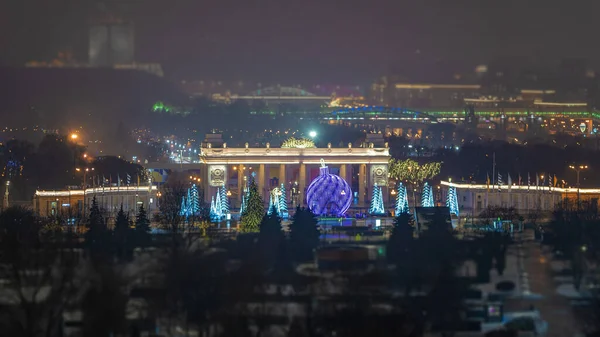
x=298, y=143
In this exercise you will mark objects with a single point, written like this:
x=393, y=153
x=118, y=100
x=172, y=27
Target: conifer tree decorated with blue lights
x=452, y=201
x=244, y=201
x=272, y=203
x=283, y=206
x=212, y=207
x=224, y=201
x=427, y=196
x=401, y=200
x=194, y=200
x=377, y=207
x=183, y=210
x=218, y=208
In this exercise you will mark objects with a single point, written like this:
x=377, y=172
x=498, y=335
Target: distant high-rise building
x=111, y=34
x=111, y=44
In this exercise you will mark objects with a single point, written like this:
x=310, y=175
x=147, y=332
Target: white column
x=302, y=184
x=261, y=180
x=282, y=176
x=362, y=180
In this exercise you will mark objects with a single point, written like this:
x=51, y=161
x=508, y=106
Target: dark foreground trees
x=198, y=285
x=428, y=264
x=40, y=275
x=304, y=235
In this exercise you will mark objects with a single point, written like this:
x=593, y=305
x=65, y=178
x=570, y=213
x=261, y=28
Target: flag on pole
x=128, y=179
x=550, y=183
x=118, y=180
x=499, y=182
x=528, y=182
x=555, y=180
x=537, y=180
x=488, y=181
x=509, y=181
x=520, y=181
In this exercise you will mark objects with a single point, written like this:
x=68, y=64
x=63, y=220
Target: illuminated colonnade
x=295, y=166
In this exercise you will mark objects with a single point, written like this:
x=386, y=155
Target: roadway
x=537, y=277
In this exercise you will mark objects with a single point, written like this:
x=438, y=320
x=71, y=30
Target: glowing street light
x=312, y=134
x=74, y=136
x=85, y=172
x=578, y=170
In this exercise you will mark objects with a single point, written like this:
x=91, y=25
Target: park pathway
x=553, y=307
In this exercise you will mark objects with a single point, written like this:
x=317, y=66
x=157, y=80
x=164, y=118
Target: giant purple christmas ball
x=328, y=194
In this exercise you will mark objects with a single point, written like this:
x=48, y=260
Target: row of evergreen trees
x=428, y=263
x=124, y=237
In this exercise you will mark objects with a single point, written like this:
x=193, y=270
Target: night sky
x=348, y=41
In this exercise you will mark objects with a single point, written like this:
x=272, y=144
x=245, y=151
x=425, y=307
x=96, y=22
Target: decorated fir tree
x=377, y=206
x=224, y=201
x=244, y=201
x=194, y=200
x=427, y=196
x=254, y=211
x=283, y=206
x=374, y=201
x=213, y=208
x=183, y=210
x=245, y=193
x=218, y=209
x=272, y=202
x=401, y=200
x=380, y=197
x=452, y=201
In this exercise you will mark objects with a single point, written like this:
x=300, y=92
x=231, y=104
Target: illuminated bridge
x=281, y=94
x=380, y=112
x=391, y=113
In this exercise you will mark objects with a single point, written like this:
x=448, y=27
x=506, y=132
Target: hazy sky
x=342, y=40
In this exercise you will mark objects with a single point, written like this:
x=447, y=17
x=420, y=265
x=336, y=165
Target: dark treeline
x=56, y=163
x=121, y=281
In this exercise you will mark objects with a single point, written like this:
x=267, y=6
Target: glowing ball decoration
x=328, y=194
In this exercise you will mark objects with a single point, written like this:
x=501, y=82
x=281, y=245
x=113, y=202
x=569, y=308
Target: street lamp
x=312, y=134
x=578, y=170
x=85, y=171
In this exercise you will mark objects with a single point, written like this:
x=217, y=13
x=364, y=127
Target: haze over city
x=352, y=42
x=299, y=168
